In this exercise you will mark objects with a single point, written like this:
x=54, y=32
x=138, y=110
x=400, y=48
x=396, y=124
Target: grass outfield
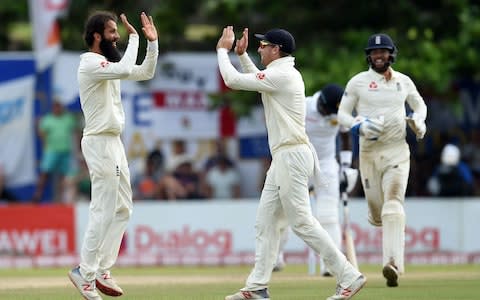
x=201, y=283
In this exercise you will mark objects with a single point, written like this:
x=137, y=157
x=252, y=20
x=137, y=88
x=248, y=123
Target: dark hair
x=96, y=24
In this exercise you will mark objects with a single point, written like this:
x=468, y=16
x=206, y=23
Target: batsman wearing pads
x=378, y=97
x=285, y=197
x=99, y=75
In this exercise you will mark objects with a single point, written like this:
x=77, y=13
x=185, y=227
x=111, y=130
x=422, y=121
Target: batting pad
x=393, y=219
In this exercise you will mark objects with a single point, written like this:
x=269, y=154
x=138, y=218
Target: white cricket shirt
x=99, y=85
x=283, y=95
x=372, y=96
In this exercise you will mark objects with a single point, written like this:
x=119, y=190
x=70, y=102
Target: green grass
x=199, y=283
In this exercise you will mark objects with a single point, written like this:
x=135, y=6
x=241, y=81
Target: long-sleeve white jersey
x=99, y=85
x=321, y=131
x=283, y=95
x=372, y=96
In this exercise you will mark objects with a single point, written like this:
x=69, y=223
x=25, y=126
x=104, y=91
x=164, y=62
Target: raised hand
x=148, y=27
x=242, y=44
x=227, y=38
x=128, y=26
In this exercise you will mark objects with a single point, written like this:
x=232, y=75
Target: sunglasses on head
x=264, y=44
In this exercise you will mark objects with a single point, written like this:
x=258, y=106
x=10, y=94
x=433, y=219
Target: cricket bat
x=347, y=236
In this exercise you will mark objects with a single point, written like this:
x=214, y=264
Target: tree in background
x=438, y=41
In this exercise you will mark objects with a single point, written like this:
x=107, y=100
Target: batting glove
x=417, y=124
x=371, y=129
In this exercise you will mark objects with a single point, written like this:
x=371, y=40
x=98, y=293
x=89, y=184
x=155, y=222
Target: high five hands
x=128, y=26
x=148, y=27
x=242, y=44
x=228, y=37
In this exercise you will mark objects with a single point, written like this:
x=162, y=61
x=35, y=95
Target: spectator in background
x=220, y=153
x=145, y=186
x=472, y=157
x=222, y=180
x=156, y=158
x=183, y=182
x=56, y=130
x=179, y=153
x=452, y=178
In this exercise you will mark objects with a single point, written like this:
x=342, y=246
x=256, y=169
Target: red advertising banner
x=37, y=230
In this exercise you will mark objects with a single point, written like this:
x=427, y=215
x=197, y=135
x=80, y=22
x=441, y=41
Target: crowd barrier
x=210, y=232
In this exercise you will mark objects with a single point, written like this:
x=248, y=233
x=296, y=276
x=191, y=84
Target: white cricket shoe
x=242, y=295
x=107, y=285
x=390, y=272
x=349, y=292
x=86, y=288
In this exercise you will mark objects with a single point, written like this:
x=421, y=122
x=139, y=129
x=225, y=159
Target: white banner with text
x=217, y=233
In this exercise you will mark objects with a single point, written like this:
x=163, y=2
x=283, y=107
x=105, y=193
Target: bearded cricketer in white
x=378, y=97
x=99, y=75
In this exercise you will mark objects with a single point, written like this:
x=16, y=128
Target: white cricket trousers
x=384, y=174
x=285, y=201
x=111, y=203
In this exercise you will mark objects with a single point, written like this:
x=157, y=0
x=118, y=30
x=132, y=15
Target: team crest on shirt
x=260, y=76
x=373, y=85
x=104, y=64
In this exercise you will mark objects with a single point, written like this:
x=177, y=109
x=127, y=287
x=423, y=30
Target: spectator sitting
x=157, y=159
x=452, y=177
x=220, y=153
x=179, y=153
x=222, y=180
x=183, y=182
x=145, y=186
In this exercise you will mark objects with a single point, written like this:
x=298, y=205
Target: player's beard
x=109, y=50
x=381, y=69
